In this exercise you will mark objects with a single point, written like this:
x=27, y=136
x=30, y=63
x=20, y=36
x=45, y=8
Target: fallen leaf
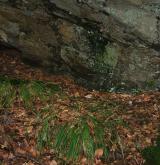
x=83, y=161
x=99, y=153
x=89, y=96
x=53, y=162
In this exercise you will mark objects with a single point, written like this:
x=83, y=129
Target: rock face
x=105, y=44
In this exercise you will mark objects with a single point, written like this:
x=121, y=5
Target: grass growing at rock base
x=24, y=91
x=73, y=130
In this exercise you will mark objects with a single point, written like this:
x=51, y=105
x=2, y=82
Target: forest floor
x=137, y=117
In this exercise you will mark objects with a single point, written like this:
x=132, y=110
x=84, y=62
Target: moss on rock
x=107, y=61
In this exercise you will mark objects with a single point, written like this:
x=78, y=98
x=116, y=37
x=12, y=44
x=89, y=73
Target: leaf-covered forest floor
x=133, y=119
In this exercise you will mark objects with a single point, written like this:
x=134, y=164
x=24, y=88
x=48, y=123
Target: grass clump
x=44, y=136
x=37, y=90
x=27, y=92
x=7, y=94
x=74, y=139
x=81, y=138
x=83, y=135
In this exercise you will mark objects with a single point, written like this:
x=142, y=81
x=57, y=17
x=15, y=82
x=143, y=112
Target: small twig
x=28, y=157
x=136, y=161
x=121, y=147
